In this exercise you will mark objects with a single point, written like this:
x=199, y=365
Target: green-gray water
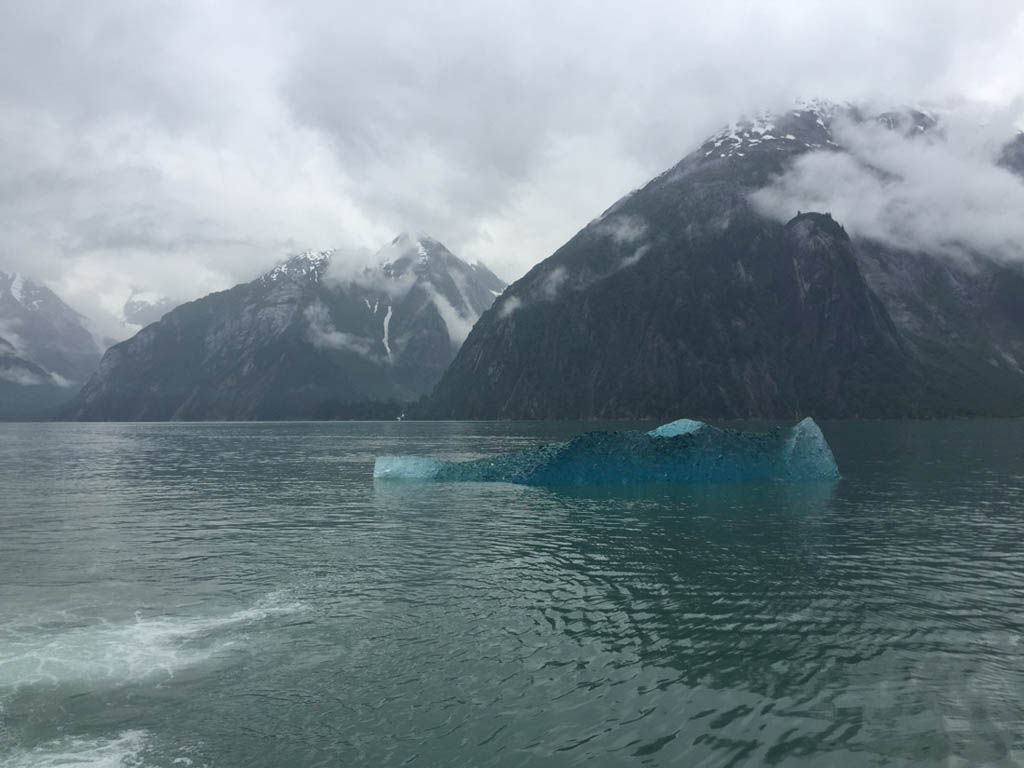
x=243, y=595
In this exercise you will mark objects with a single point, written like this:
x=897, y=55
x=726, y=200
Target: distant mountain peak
x=809, y=126
x=31, y=295
x=689, y=295
x=321, y=327
x=307, y=265
x=410, y=238
x=411, y=247
x=46, y=347
x=460, y=292
x=144, y=307
x=820, y=106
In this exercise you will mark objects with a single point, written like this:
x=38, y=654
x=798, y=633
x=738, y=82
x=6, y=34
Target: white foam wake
x=31, y=652
x=118, y=752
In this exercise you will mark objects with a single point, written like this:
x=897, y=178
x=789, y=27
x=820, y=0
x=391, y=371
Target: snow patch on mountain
x=306, y=265
x=385, y=279
x=812, y=125
x=387, y=328
x=46, y=348
x=18, y=288
x=808, y=129
x=417, y=260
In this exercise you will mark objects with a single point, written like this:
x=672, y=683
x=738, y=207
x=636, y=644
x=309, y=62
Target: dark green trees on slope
x=305, y=340
x=683, y=300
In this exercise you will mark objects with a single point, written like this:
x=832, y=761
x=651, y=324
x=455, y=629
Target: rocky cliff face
x=46, y=350
x=1012, y=156
x=311, y=334
x=683, y=299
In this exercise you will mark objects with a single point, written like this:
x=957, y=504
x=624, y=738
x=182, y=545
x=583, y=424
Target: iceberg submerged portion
x=683, y=451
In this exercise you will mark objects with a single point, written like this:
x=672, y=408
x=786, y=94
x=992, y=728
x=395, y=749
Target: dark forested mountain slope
x=314, y=333
x=684, y=300
x=46, y=350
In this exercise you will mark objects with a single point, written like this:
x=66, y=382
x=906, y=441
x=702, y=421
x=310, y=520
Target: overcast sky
x=180, y=147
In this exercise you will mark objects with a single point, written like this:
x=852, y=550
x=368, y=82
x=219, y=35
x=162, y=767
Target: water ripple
x=243, y=595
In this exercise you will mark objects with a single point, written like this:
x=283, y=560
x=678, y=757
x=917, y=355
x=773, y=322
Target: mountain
x=46, y=350
x=1012, y=156
x=311, y=337
x=142, y=309
x=685, y=299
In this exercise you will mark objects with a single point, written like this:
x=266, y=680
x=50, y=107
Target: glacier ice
x=683, y=451
x=676, y=428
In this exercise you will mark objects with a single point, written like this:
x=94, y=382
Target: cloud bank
x=939, y=190
x=177, y=147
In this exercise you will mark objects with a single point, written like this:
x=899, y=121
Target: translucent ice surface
x=683, y=451
x=676, y=428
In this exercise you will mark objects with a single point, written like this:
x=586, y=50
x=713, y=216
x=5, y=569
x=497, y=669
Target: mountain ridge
x=678, y=300
x=46, y=348
x=310, y=332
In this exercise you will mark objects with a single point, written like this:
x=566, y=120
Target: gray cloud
x=940, y=190
x=19, y=375
x=457, y=324
x=179, y=147
x=623, y=229
x=322, y=333
x=509, y=305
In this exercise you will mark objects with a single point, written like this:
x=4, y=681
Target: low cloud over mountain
x=177, y=148
x=912, y=182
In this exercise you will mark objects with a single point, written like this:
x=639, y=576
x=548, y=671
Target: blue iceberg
x=683, y=451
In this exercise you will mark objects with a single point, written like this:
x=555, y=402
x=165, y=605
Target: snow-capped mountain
x=315, y=332
x=809, y=127
x=46, y=350
x=141, y=308
x=707, y=293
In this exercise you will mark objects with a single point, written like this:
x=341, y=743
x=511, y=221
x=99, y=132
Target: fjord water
x=245, y=595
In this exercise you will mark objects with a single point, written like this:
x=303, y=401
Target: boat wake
x=62, y=648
